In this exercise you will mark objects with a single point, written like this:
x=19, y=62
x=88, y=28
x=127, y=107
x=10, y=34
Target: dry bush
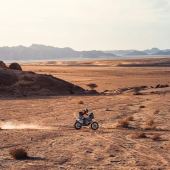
x=139, y=135
x=141, y=107
x=19, y=154
x=130, y=118
x=108, y=110
x=162, y=86
x=124, y=123
x=81, y=102
x=150, y=122
x=156, y=112
x=157, y=86
x=156, y=137
x=149, y=127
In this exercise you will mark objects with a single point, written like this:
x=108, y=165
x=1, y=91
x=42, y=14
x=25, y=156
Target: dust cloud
x=19, y=125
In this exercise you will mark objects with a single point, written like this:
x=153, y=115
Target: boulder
x=15, y=66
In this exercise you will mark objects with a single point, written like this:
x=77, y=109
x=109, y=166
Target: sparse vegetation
x=19, y=154
x=80, y=102
x=149, y=124
x=141, y=107
x=156, y=112
x=124, y=123
x=130, y=118
x=161, y=86
x=139, y=135
x=50, y=136
x=156, y=137
x=108, y=110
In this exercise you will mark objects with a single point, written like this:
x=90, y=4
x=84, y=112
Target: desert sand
x=43, y=126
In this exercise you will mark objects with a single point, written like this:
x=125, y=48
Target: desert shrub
x=15, y=66
x=19, y=154
x=139, y=135
x=162, y=85
x=108, y=110
x=157, y=86
x=156, y=137
x=130, y=118
x=150, y=122
x=80, y=102
x=124, y=123
x=92, y=86
x=141, y=107
x=156, y=112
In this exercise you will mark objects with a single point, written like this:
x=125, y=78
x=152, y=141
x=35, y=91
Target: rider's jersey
x=82, y=113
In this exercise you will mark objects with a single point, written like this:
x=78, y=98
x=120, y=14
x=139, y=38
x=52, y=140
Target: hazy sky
x=86, y=24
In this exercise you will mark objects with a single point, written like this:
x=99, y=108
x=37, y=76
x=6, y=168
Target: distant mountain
x=136, y=53
x=165, y=52
x=128, y=52
x=41, y=52
x=153, y=51
x=120, y=52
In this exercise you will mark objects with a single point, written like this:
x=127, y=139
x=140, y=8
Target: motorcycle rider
x=83, y=114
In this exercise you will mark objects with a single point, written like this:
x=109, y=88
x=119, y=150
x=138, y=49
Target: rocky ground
x=17, y=83
x=134, y=131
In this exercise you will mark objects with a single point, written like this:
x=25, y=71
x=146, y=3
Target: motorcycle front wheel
x=94, y=125
x=77, y=125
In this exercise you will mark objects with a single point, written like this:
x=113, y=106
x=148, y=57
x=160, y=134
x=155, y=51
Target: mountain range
x=42, y=52
x=152, y=51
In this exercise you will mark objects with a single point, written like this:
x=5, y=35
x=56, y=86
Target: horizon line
x=27, y=46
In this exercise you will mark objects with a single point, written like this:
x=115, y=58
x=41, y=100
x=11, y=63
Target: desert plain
x=134, y=132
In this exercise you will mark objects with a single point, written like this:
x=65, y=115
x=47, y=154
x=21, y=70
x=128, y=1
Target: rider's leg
x=81, y=119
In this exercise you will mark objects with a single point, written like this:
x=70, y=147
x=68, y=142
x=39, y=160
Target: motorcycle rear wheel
x=77, y=125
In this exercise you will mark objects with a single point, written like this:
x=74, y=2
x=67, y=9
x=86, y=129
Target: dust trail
x=18, y=125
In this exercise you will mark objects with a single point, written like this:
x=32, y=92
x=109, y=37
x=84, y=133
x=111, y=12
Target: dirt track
x=55, y=144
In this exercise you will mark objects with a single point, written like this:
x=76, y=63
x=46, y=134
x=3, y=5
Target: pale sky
x=86, y=24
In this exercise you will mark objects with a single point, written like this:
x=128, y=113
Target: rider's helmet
x=86, y=110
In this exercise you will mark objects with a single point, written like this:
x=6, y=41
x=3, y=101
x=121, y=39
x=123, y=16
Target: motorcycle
x=86, y=122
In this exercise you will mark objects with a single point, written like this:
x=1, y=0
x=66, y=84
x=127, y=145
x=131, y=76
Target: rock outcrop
x=22, y=83
x=15, y=66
